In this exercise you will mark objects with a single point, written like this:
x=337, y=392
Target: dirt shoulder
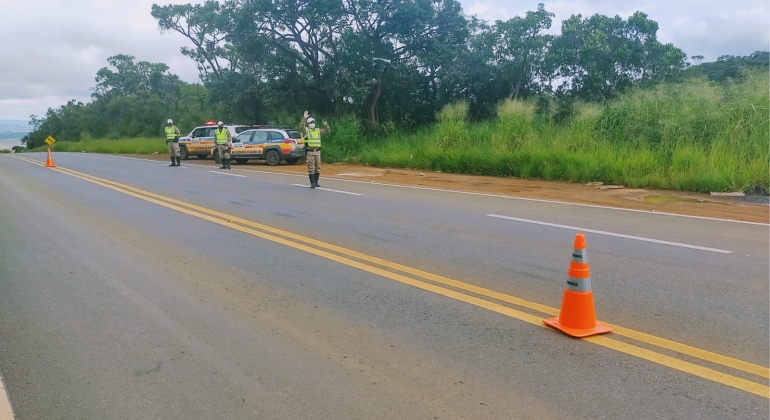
x=750, y=209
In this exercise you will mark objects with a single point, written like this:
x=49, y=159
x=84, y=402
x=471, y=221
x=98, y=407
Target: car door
x=257, y=144
x=276, y=138
x=198, y=133
x=243, y=138
x=197, y=139
x=208, y=138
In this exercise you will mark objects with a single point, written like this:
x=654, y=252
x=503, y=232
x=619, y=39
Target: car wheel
x=273, y=158
x=292, y=161
x=183, y=152
x=217, y=160
x=241, y=161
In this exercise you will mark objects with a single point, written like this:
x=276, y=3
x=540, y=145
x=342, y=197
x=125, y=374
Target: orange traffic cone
x=577, y=317
x=49, y=162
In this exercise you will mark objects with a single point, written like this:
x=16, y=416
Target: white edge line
x=225, y=173
x=619, y=235
x=328, y=189
x=6, y=411
x=512, y=197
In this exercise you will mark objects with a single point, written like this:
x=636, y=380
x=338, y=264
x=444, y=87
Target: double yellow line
x=458, y=290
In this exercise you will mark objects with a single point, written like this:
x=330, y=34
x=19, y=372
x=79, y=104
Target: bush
x=695, y=136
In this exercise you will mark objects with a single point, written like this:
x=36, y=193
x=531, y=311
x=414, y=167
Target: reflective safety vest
x=314, y=138
x=221, y=135
x=170, y=133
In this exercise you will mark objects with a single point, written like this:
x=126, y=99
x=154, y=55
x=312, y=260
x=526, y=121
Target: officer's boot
x=224, y=163
x=317, y=174
x=178, y=161
x=312, y=180
x=228, y=163
x=173, y=161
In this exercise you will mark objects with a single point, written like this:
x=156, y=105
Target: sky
x=52, y=49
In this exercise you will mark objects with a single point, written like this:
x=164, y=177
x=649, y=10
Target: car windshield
x=294, y=134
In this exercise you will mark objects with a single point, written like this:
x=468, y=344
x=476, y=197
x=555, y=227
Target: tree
x=731, y=67
x=697, y=59
x=130, y=99
x=520, y=48
x=324, y=47
x=598, y=57
x=205, y=26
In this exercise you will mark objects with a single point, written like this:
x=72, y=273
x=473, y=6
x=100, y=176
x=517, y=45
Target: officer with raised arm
x=312, y=136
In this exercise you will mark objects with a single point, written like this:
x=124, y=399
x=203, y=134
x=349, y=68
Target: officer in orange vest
x=312, y=137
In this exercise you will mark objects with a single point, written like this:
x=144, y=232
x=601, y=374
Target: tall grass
x=134, y=145
x=693, y=136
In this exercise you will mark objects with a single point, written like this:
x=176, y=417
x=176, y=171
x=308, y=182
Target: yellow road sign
x=50, y=140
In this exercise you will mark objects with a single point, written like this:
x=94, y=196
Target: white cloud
x=59, y=46
x=53, y=48
x=706, y=27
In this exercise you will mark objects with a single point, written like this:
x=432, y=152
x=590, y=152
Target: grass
x=690, y=136
x=134, y=145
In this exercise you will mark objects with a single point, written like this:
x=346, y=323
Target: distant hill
x=11, y=135
x=14, y=125
x=13, y=129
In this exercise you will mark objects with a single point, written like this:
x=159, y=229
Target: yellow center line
x=622, y=331
x=668, y=361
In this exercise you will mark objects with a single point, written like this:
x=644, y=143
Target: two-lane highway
x=133, y=290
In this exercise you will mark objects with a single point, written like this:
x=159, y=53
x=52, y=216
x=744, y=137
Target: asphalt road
x=129, y=289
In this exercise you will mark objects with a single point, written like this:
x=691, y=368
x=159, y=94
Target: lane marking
x=328, y=189
x=671, y=362
x=618, y=235
x=636, y=335
x=6, y=412
x=664, y=360
x=225, y=173
x=511, y=197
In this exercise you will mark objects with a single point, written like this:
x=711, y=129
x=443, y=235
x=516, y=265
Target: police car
x=200, y=141
x=271, y=144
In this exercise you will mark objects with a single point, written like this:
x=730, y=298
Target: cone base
x=575, y=332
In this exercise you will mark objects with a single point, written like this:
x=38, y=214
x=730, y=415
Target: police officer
x=172, y=141
x=312, y=137
x=223, y=138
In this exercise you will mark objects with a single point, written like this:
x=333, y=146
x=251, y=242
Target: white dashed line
x=510, y=197
x=328, y=189
x=618, y=235
x=224, y=173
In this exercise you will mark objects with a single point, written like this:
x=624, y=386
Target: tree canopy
x=264, y=61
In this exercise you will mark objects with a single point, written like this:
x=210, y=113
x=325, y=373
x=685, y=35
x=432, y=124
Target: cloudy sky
x=52, y=49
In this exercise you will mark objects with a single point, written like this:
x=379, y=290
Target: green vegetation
x=604, y=100
x=132, y=145
x=693, y=136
